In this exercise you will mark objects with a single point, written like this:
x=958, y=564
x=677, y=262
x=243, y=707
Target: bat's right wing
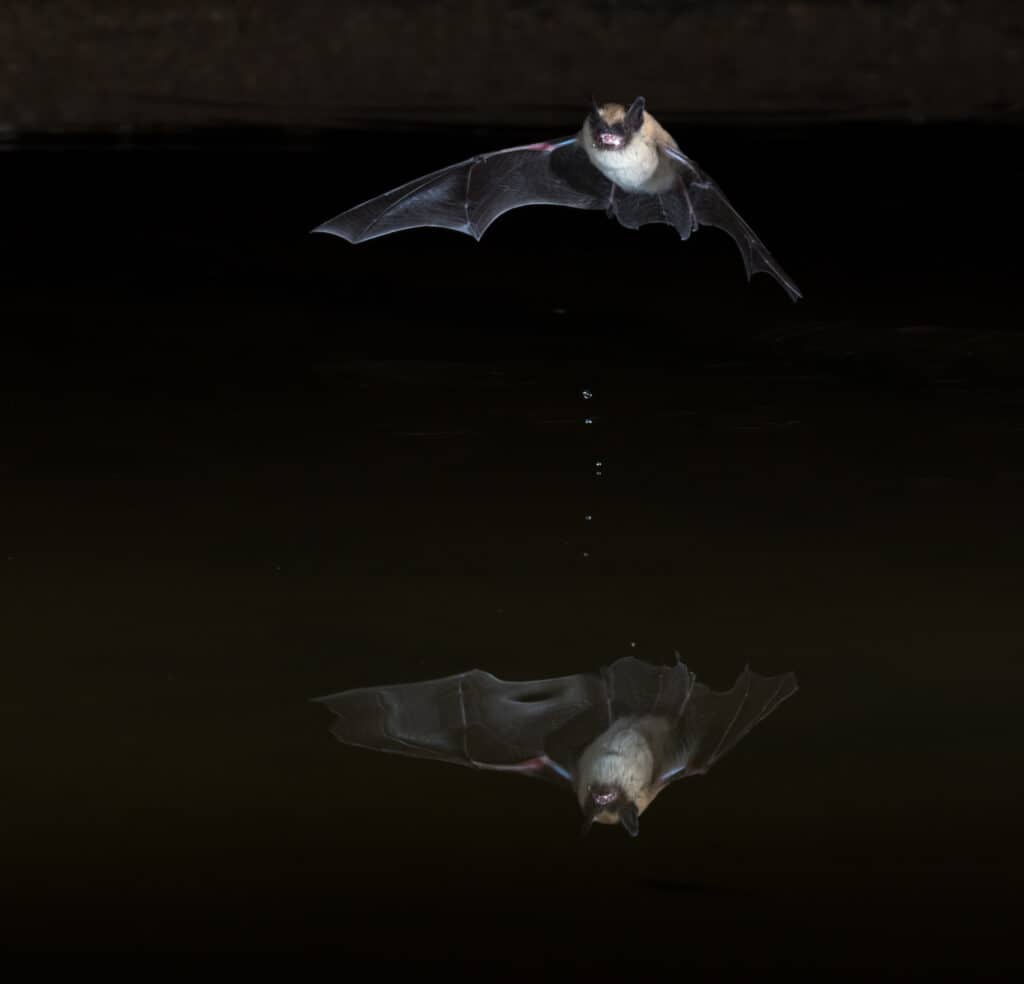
x=470, y=195
x=473, y=719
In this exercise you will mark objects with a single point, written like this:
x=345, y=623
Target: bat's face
x=609, y=804
x=611, y=127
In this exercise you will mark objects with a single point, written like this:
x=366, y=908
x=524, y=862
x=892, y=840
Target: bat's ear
x=630, y=819
x=635, y=114
x=587, y=823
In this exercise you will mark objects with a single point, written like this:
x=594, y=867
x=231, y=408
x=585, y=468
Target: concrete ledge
x=84, y=64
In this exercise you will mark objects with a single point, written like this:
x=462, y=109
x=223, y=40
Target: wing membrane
x=472, y=719
x=470, y=195
x=708, y=205
x=715, y=722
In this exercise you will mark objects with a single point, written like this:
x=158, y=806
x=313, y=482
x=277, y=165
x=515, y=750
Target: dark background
x=242, y=466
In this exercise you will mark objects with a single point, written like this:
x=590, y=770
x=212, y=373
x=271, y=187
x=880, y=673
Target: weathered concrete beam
x=81, y=64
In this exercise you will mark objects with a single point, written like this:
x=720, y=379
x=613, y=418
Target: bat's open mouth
x=608, y=138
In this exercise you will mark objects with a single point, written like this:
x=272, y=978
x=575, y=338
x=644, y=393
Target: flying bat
x=622, y=161
x=616, y=737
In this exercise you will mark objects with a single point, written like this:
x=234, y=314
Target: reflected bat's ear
x=630, y=819
x=635, y=114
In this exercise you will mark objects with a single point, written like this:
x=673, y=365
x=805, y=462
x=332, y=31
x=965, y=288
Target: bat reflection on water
x=616, y=737
x=622, y=161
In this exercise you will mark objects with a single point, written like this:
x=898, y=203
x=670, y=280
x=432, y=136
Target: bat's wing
x=695, y=201
x=710, y=723
x=470, y=195
x=634, y=688
x=474, y=719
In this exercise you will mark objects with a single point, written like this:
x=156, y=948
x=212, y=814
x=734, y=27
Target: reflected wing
x=711, y=723
x=472, y=719
x=470, y=195
x=696, y=201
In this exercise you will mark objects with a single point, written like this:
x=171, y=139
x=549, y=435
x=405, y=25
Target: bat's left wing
x=710, y=723
x=475, y=719
x=470, y=195
x=695, y=201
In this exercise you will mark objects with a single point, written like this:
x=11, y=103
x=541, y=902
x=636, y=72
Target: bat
x=616, y=737
x=622, y=161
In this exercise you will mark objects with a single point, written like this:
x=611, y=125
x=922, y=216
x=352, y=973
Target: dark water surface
x=241, y=467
